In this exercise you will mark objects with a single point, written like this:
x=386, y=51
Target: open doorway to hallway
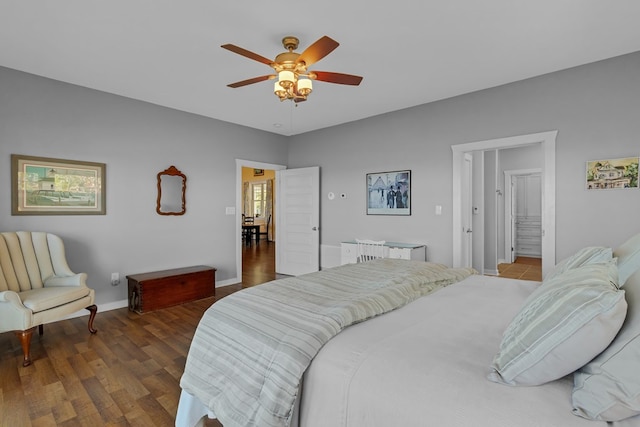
x=547, y=143
x=258, y=225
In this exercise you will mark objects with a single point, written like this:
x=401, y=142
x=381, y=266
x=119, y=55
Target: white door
x=298, y=221
x=523, y=199
x=467, y=214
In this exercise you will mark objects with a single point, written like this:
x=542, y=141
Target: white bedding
x=426, y=365
x=251, y=349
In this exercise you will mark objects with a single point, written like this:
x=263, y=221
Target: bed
x=434, y=360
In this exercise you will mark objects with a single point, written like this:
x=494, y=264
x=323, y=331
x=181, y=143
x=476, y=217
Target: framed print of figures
x=389, y=193
x=612, y=173
x=43, y=186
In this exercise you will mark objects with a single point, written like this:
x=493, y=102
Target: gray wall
x=136, y=140
x=595, y=108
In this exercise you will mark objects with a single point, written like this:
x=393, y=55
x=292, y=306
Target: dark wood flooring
x=126, y=375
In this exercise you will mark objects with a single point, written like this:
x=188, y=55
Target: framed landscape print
x=612, y=173
x=45, y=186
x=389, y=193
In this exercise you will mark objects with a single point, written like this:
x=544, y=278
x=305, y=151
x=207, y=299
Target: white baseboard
x=114, y=305
x=330, y=256
x=101, y=308
x=228, y=282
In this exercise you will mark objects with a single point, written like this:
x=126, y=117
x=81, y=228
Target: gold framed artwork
x=612, y=173
x=46, y=186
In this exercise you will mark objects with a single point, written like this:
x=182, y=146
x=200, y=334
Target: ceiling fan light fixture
x=286, y=78
x=279, y=91
x=304, y=87
x=294, y=80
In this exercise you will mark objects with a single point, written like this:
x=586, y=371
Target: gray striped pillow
x=562, y=325
x=588, y=255
x=628, y=255
x=608, y=387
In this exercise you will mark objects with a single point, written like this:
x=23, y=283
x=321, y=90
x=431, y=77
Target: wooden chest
x=160, y=289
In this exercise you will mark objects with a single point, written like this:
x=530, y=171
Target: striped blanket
x=251, y=348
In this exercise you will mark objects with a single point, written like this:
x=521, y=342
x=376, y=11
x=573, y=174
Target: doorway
x=258, y=243
x=258, y=254
x=523, y=209
x=547, y=140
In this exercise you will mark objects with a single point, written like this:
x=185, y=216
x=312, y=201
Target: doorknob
x=468, y=230
x=314, y=228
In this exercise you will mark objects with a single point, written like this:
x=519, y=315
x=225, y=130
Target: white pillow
x=562, y=325
x=588, y=255
x=608, y=387
x=628, y=255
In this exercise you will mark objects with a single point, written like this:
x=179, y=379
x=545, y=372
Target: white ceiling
x=409, y=52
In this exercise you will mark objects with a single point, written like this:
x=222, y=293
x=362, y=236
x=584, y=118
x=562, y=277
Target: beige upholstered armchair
x=37, y=286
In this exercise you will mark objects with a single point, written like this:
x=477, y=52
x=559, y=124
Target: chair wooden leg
x=25, y=340
x=41, y=330
x=93, y=309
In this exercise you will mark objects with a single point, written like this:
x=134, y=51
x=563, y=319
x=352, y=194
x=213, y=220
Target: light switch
x=230, y=210
x=438, y=210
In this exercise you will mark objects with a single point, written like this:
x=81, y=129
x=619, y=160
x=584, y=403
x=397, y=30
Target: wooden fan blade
x=244, y=52
x=252, y=81
x=339, y=78
x=321, y=48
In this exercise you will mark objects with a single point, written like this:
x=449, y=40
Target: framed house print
x=612, y=173
x=45, y=186
x=389, y=193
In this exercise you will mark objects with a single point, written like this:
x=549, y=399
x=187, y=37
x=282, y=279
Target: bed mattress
x=426, y=365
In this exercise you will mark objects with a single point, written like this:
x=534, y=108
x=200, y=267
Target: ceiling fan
x=294, y=80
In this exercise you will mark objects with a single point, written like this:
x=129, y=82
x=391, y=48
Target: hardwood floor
x=524, y=268
x=127, y=374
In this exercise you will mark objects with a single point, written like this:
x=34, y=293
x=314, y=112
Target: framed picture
x=612, y=173
x=258, y=172
x=389, y=193
x=44, y=186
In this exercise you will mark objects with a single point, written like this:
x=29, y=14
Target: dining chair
x=248, y=233
x=368, y=250
x=265, y=233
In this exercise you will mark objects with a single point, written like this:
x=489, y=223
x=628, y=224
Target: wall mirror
x=172, y=185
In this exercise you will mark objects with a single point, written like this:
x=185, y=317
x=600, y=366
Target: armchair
x=37, y=286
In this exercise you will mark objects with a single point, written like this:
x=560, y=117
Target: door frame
x=548, y=143
x=241, y=163
x=509, y=203
x=467, y=205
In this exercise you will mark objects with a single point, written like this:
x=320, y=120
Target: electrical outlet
x=115, y=279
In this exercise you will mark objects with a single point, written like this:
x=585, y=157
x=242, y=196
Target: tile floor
x=524, y=268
